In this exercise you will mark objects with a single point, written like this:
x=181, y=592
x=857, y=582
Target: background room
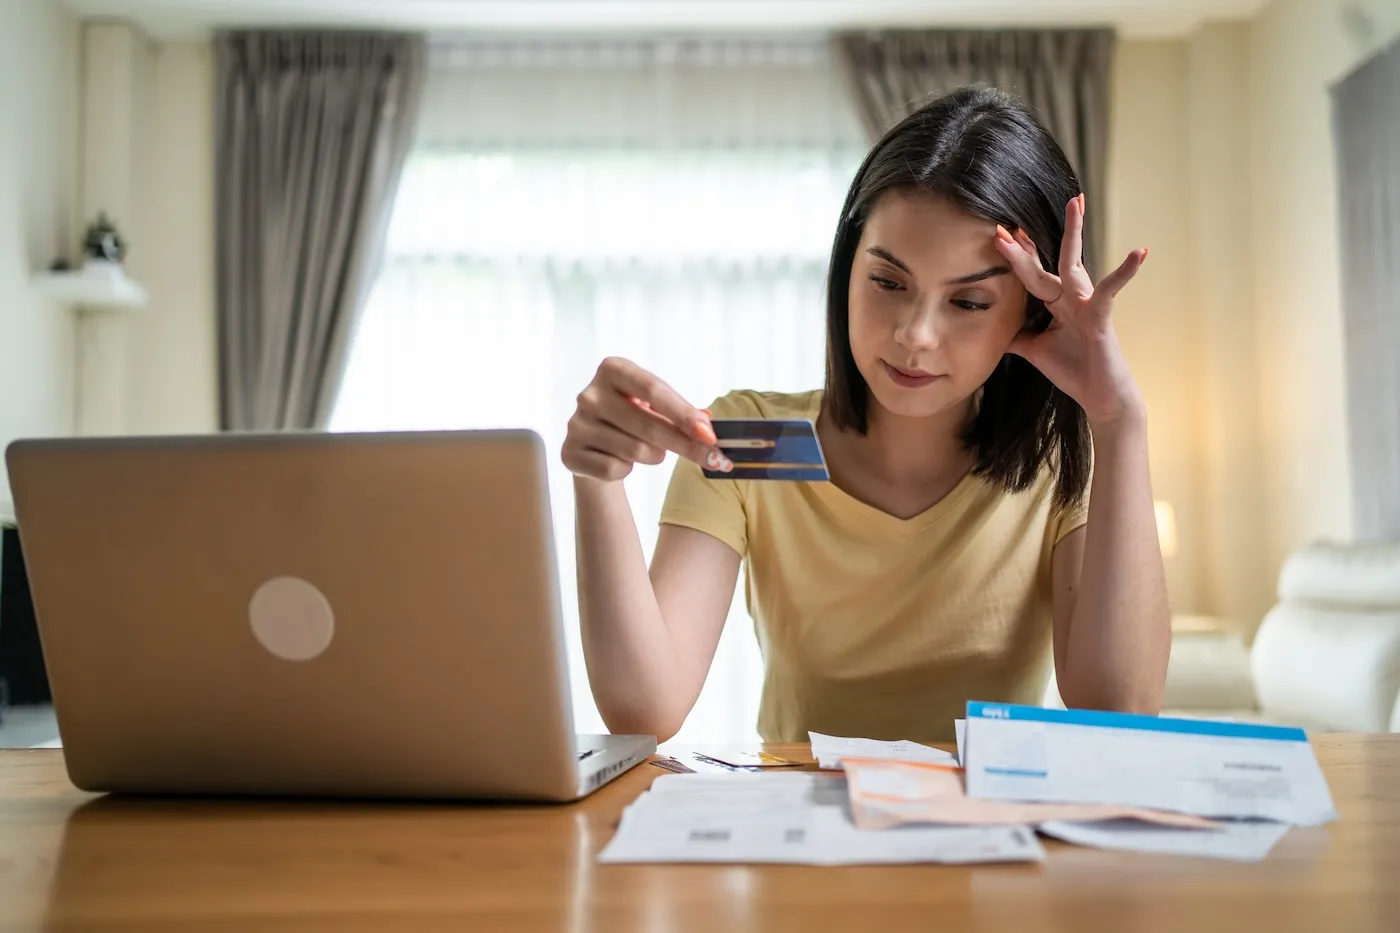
x=660, y=181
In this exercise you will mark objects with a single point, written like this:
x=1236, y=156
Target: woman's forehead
x=926, y=229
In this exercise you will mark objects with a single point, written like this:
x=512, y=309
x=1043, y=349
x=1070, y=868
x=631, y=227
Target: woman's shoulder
x=1037, y=503
x=751, y=403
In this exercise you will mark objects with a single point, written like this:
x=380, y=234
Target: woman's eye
x=970, y=305
x=888, y=285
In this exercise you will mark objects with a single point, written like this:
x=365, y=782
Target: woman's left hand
x=1079, y=352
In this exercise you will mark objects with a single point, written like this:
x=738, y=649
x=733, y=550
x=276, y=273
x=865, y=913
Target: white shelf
x=92, y=289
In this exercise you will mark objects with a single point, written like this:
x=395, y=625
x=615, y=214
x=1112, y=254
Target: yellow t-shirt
x=876, y=626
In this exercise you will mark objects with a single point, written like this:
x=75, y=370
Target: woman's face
x=933, y=305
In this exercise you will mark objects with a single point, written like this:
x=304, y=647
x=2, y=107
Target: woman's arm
x=648, y=636
x=1112, y=617
x=1112, y=620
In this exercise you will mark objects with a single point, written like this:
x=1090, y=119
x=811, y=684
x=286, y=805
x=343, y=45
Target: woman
x=972, y=377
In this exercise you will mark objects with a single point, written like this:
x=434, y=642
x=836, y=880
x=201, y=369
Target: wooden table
x=69, y=861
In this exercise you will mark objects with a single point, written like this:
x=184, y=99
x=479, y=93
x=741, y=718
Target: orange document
x=887, y=793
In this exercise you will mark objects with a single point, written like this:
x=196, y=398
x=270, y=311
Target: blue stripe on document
x=1093, y=717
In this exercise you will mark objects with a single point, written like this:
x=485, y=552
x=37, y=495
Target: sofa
x=1327, y=656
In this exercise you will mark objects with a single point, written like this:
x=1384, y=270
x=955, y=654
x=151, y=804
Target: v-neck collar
x=878, y=519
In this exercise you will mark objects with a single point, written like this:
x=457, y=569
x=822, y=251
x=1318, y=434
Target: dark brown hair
x=986, y=151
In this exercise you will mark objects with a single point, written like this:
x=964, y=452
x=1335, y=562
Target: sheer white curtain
x=678, y=212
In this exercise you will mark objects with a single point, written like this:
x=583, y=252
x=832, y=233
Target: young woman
x=975, y=392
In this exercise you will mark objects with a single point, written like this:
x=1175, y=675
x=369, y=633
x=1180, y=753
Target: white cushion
x=1209, y=671
x=1338, y=670
x=1052, y=699
x=1221, y=715
x=1207, y=676
x=1361, y=575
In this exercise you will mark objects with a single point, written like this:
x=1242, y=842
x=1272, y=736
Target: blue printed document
x=1224, y=770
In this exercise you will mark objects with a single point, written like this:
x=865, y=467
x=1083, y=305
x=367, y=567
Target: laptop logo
x=291, y=618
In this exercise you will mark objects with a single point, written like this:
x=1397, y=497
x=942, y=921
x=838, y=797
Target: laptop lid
x=301, y=613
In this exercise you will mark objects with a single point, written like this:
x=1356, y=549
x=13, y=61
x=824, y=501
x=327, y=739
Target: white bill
x=1241, y=842
x=830, y=749
x=1207, y=768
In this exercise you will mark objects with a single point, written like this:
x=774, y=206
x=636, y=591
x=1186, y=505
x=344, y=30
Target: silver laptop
x=371, y=615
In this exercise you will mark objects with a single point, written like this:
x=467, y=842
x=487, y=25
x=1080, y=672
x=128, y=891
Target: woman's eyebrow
x=990, y=272
x=889, y=257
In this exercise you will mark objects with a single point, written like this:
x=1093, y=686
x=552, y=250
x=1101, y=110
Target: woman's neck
x=901, y=466
x=904, y=451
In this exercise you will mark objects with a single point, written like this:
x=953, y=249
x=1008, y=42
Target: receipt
x=829, y=750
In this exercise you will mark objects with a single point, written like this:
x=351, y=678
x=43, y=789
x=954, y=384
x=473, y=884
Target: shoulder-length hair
x=985, y=151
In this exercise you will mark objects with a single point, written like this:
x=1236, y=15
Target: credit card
x=770, y=448
x=749, y=759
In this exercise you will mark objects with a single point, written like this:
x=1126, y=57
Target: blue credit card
x=764, y=448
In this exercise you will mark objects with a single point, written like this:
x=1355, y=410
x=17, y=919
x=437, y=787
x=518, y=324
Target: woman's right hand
x=627, y=416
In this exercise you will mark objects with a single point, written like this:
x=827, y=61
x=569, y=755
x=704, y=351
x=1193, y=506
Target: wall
x=173, y=377
x=1223, y=163
x=38, y=181
x=147, y=158
x=1237, y=575
x=116, y=90
x=1147, y=176
x=1297, y=49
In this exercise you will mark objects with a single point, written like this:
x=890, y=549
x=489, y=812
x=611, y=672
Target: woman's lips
x=909, y=378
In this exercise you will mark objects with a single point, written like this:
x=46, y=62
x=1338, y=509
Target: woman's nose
x=918, y=329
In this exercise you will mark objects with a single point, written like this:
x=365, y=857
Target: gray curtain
x=312, y=130
x=1063, y=74
x=1366, y=132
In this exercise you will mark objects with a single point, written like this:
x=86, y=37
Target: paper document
x=1203, y=767
x=788, y=818
x=960, y=730
x=1242, y=842
x=885, y=794
x=771, y=790
x=829, y=750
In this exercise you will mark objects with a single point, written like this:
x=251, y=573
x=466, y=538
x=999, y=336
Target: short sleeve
x=1069, y=519
x=714, y=506
x=1074, y=516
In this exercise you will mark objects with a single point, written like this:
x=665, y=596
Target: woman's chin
x=926, y=402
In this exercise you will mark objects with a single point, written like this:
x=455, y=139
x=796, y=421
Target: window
x=513, y=268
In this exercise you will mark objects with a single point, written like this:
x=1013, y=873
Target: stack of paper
x=1115, y=781
x=1252, y=781
x=798, y=818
